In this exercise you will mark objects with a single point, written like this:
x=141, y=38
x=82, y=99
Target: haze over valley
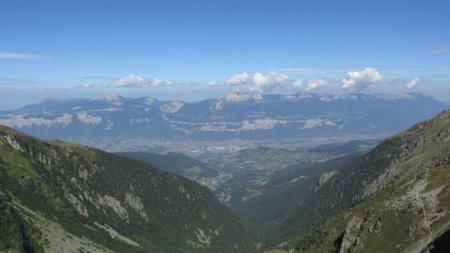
x=240, y=120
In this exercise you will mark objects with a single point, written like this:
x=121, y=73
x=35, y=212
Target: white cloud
x=130, y=80
x=238, y=79
x=412, y=83
x=158, y=83
x=134, y=81
x=361, y=79
x=213, y=83
x=86, y=85
x=271, y=78
x=266, y=82
x=298, y=84
x=9, y=55
x=315, y=83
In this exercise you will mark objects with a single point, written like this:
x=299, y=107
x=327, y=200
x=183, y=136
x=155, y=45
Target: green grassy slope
x=111, y=201
x=394, y=199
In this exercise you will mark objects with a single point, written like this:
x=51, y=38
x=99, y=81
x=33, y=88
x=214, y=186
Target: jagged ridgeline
x=111, y=122
x=62, y=197
x=396, y=198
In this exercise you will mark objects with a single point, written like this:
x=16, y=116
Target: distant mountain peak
x=237, y=97
x=246, y=116
x=149, y=100
x=172, y=106
x=112, y=97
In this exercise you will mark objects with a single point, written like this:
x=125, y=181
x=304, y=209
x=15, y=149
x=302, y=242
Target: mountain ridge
x=142, y=124
x=114, y=202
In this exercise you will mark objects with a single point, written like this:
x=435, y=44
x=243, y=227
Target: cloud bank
x=367, y=79
x=359, y=80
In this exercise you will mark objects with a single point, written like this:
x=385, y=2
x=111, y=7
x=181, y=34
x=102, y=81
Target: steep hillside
x=177, y=163
x=16, y=235
x=394, y=199
x=68, y=198
x=261, y=185
x=185, y=166
x=283, y=193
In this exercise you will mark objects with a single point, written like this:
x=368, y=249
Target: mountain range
x=57, y=196
x=145, y=124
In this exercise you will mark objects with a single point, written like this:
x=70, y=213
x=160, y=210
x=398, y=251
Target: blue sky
x=207, y=48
